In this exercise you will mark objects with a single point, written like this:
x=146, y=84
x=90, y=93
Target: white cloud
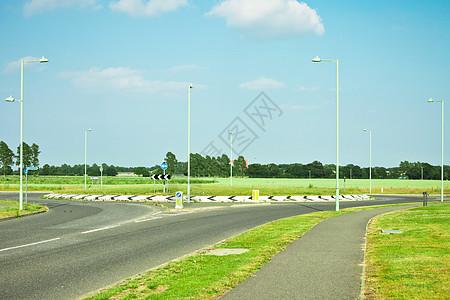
x=147, y=8
x=14, y=66
x=310, y=89
x=39, y=6
x=123, y=79
x=184, y=68
x=270, y=18
x=262, y=83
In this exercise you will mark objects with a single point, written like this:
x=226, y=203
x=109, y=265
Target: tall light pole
x=317, y=59
x=85, y=155
x=189, y=145
x=370, y=159
x=11, y=99
x=442, y=146
x=231, y=158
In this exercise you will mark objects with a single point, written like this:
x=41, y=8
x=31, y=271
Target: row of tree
x=220, y=167
x=7, y=158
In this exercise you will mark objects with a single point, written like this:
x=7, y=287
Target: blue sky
x=123, y=68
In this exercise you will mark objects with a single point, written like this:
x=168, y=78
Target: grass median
x=201, y=276
x=414, y=264
x=9, y=208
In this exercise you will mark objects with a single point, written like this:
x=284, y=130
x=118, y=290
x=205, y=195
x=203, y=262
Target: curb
x=24, y=215
x=206, y=199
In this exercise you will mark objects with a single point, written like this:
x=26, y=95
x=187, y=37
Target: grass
x=206, y=277
x=11, y=208
x=221, y=186
x=414, y=264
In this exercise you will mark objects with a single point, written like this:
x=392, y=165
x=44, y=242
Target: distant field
x=221, y=186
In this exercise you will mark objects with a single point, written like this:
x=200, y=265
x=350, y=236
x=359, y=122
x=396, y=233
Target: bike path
x=325, y=263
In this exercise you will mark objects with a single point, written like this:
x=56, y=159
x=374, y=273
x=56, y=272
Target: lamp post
x=370, y=159
x=317, y=59
x=231, y=158
x=11, y=99
x=85, y=155
x=189, y=145
x=442, y=146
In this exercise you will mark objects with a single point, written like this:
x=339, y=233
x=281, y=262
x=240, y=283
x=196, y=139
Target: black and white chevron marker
x=161, y=177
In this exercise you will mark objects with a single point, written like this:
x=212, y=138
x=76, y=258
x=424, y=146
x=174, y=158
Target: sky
x=123, y=68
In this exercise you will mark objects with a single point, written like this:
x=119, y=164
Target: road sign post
x=26, y=184
x=101, y=176
x=179, y=200
x=164, y=167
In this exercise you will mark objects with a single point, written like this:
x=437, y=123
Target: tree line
x=8, y=158
x=220, y=167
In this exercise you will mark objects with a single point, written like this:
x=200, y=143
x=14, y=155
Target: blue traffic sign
x=178, y=194
x=164, y=166
x=25, y=171
x=32, y=168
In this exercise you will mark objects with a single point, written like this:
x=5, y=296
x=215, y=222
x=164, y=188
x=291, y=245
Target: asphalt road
x=78, y=247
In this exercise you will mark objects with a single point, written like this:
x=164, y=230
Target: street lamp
x=231, y=158
x=442, y=146
x=11, y=99
x=85, y=155
x=370, y=158
x=317, y=59
x=189, y=145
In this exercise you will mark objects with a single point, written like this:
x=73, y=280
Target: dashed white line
x=27, y=245
x=99, y=229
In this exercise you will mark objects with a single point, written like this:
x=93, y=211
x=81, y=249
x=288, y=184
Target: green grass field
x=414, y=264
x=221, y=186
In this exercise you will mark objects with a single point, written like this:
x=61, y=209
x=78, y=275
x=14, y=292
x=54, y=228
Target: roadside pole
x=164, y=167
x=26, y=184
x=101, y=176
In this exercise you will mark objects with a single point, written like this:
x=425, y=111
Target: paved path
x=325, y=263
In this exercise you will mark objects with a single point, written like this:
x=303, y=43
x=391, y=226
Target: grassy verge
x=11, y=208
x=221, y=186
x=206, y=277
x=414, y=264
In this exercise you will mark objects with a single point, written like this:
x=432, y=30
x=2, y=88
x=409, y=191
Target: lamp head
x=10, y=99
x=43, y=60
x=316, y=59
x=89, y=129
x=190, y=86
x=430, y=100
x=364, y=129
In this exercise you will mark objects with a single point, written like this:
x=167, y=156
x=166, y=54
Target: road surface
x=78, y=247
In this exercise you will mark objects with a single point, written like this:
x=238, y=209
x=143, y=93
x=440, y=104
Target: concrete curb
x=206, y=199
x=23, y=215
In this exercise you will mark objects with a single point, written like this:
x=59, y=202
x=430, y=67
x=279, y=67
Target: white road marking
x=145, y=220
x=99, y=229
x=32, y=244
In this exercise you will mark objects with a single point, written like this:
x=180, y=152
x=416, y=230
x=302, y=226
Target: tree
x=171, y=161
x=224, y=165
x=141, y=171
x=257, y=171
x=273, y=171
x=27, y=155
x=35, y=155
x=111, y=171
x=6, y=158
x=94, y=170
x=240, y=165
